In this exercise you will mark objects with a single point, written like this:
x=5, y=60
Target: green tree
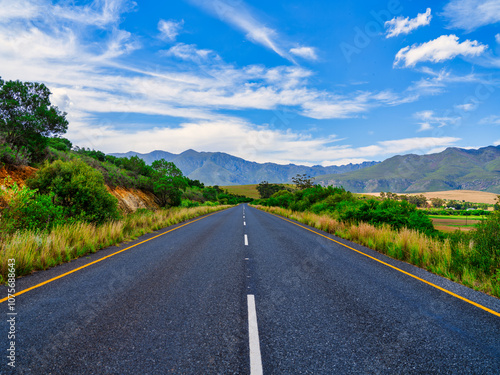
x=303, y=181
x=266, y=189
x=437, y=202
x=27, y=117
x=168, y=183
x=78, y=188
x=59, y=143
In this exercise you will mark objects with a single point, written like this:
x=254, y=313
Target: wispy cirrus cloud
x=469, y=15
x=170, y=29
x=190, y=52
x=428, y=120
x=443, y=48
x=400, y=25
x=308, y=53
x=490, y=120
x=239, y=15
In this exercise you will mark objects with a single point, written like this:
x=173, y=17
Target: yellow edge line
x=101, y=259
x=395, y=268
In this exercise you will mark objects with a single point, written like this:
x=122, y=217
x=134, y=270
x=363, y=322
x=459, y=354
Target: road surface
x=242, y=291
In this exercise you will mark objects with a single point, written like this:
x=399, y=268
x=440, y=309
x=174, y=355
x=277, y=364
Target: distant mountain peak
x=453, y=168
x=219, y=168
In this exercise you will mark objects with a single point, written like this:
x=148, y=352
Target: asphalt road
x=242, y=289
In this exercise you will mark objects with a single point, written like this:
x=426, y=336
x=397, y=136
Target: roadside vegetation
x=400, y=230
x=39, y=250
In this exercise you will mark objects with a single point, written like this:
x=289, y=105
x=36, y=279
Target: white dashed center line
x=253, y=336
x=246, y=240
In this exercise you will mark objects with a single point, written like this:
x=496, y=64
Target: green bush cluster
x=78, y=189
x=343, y=205
x=28, y=210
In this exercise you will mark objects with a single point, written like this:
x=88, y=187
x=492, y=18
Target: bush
x=486, y=239
x=186, y=203
x=78, y=188
x=28, y=210
x=12, y=155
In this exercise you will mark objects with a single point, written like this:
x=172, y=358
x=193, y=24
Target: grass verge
x=434, y=255
x=38, y=251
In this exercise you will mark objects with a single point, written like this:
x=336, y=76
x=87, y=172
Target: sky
x=307, y=82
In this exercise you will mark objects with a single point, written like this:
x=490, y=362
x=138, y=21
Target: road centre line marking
x=396, y=268
x=246, y=240
x=101, y=259
x=244, y=223
x=253, y=337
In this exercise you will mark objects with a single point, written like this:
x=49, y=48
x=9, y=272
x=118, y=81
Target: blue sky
x=308, y=82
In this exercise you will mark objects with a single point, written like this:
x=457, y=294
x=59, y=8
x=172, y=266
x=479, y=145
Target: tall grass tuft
x=41, y=250
x=455, y=261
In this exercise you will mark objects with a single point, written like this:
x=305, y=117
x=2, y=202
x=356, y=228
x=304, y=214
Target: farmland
x=451, y=223
x=458, y=195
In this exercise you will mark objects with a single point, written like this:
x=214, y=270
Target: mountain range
x=218, y=168
x=451, y=169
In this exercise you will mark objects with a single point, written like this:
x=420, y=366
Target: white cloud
x=100, y=13
x=490, y=120
x=497, y=38
x=400, y=25
x=190, y=52
x=466, y=107
x=443, y=48
x=428, y=119
x=169, y=29
x=242, y=139
x=308, y=53
x=471, y=14
x=18, y=9
x=437, y=82
x=496, y=143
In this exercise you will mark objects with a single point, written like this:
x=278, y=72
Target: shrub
x=28, y=210
x=13, y=155
x=78, y=188
x=486, y=255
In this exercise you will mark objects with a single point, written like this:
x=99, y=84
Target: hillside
x=218, y=168
x=451, y=169
x=129, y=199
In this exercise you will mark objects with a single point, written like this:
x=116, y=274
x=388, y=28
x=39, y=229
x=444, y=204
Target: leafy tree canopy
x=27, y=117
x=266, y=189
x=168, y=182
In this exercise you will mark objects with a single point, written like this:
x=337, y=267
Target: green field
x=458, y=217
x=246, y=190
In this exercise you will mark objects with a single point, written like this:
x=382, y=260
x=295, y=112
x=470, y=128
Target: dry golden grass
x=37, y=251
x=406, y=244
x=458, y=195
